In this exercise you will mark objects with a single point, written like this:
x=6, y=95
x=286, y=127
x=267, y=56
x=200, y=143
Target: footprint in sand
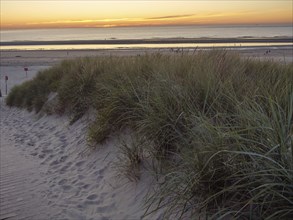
x=86, y=186
x=40, y=135
x=99, y=172
x=31, y=143
x=82, y=141
x=47, y=159
x=55, y=162
x=62, y=182
x=105, y=208
x=62, y=146
x=73, y=182
x=46, y=151
x=48, y=143
x=64, y=168
x=62, y=138
x=34, y=153
x=92, y=197
x=66, y=187
x=92, y=202
x=63, y=159
x=80, y=177
x=58, y=161
x=42, y=156
x=52, y=129
x=80, y=163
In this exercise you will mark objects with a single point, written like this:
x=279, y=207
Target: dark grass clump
x=33, y=94
x=78, y=86
x=130, y=159
x=220, y=126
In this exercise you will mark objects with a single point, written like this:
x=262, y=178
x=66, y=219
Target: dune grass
x=33, y=94
x=219, y=126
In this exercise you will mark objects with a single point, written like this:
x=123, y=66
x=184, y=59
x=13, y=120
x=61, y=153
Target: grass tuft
x=129, y=159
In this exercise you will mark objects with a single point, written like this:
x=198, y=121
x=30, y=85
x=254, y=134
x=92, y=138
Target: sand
x=154, y=41
x=47, y=169
x=50, y=57
x=49, y=172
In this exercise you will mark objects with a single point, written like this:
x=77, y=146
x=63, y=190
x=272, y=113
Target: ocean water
x=256, y=31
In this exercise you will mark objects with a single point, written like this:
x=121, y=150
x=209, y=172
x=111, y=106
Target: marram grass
x=218, y=126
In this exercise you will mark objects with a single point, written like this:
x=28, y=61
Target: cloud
x=170, y=17
x=78, y=21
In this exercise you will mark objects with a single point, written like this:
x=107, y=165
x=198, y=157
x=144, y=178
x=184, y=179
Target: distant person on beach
x=0, y=93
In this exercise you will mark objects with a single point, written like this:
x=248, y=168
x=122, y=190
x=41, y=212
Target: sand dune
x=55, y=174
x=47, y=169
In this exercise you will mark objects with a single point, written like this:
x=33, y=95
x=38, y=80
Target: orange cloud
x=58, y=14
x=170, y=17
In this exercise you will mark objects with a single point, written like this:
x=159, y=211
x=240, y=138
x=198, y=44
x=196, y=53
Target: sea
x=151, y=32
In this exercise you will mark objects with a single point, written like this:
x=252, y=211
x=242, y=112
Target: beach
x=47, y=173
x=51, y=57
x=150, y=110
x=48, y=170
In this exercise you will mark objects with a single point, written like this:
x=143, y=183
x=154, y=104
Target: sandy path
x=48, y=172
x=44, y=167
x=19, y=177
x=35, y=160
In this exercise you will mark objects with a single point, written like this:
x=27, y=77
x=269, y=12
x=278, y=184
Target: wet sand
x=51, y=57
x=155, y=41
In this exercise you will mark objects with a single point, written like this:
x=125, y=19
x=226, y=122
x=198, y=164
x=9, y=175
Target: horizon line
x=148, y=25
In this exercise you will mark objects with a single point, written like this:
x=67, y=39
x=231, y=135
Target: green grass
x=217, y=126
x=33, y=94
x=130, y=156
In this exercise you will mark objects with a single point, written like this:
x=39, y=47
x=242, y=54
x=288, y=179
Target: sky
x=23, y=14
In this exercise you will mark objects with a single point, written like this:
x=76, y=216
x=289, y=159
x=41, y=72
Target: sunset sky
x=16, y=14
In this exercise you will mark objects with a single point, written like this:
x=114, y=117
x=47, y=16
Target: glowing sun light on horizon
x=58, y=14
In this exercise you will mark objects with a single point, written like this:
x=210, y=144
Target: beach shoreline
x=154, y=41
x=51, y=57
